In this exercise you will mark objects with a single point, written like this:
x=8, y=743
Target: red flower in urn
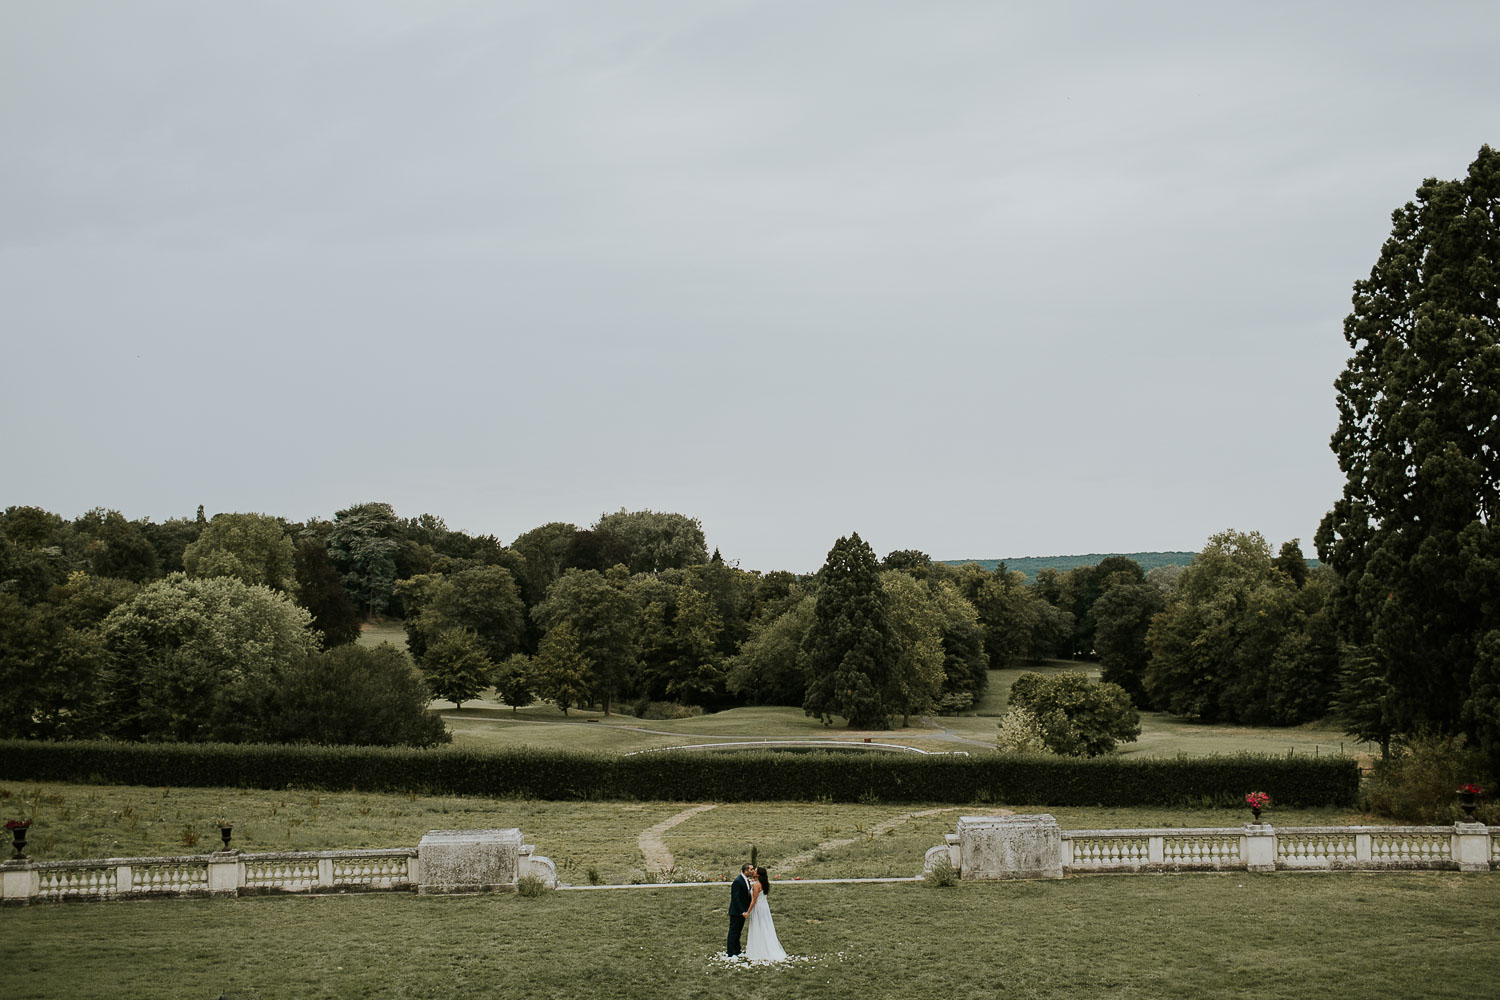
x=17, y=828
x=1257, y=801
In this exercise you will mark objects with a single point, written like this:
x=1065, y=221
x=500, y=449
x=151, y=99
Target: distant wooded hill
x=1031, y=565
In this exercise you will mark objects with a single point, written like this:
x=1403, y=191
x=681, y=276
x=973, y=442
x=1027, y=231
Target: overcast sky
x=983, y=279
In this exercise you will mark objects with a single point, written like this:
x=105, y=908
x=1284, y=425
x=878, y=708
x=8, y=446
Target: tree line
x=221, y=628
x=207, y=628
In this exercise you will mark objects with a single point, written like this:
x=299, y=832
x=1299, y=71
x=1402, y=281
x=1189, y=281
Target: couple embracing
x=748, y=906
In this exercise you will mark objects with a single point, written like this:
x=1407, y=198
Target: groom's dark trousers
x=739, y=902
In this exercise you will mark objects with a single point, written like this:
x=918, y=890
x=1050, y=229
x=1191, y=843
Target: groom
x=739, y=906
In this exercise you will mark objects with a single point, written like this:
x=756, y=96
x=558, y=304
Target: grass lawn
x=389, y=630
x=589, y=841
x=1331, y=936
x=484, y=722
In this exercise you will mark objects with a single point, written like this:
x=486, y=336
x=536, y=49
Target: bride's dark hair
x=765, y=880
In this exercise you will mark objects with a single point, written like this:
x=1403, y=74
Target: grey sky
x=977, y=278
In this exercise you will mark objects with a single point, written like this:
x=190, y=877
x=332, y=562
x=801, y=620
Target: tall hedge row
x=688, y=776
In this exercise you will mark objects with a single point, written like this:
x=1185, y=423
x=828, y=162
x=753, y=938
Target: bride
x=761, y=944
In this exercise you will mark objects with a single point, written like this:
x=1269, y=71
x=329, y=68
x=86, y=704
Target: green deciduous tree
x=1239, y=641
x=561, y=672
x=515, y=681
x=850, y=646
x=915, y=677
x=771, y=666
x=483, y=599
x=605, y=623
x=114, y=546
x=656, y=540
x=679, y=645
x=1122, y=616
x=455, y=665
x=368, y=696
x=252, y=548
x=184, y=654
x=1415, y=539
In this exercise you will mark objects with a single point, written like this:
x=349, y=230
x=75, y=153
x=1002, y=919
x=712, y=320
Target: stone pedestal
x=18, y=882
x=1260, y=847
x=224, y=872
x=469, y=860
x=1006, y=847
x=1471, y=847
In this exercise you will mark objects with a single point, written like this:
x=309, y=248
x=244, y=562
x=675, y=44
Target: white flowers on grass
x=721, y=960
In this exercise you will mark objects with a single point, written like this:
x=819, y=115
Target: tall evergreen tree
x=850, y=647
x=1414, y=538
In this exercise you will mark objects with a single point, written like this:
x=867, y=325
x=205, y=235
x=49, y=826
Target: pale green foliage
x=252, y=548
x=1078, y=717
x=183, y=652
x=770, y=668
x=1020, y=732
x=917, y=621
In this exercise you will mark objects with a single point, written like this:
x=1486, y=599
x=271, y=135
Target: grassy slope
x=486, y=723
x=1189, y=936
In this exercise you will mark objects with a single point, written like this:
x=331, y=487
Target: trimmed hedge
x=688, y=776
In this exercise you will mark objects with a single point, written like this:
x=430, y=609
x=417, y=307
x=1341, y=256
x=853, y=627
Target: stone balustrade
x=1019, y=846
x=497, y=860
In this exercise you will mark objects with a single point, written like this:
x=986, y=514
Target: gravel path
x=874, y=831
x=658, y=857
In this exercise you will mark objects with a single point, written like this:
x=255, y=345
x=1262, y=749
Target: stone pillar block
x=469, y=860
x=325, y=873
x=1007, y=847
x=18, y=883
x=1260, y=847
x=1471, y=847
x=224, y=872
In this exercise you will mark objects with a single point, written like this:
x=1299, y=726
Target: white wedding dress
x=761, y=943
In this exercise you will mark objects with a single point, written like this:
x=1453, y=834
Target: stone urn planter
x=18, y=828
x=1468, y=800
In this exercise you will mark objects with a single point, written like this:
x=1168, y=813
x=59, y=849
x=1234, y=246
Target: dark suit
x=739, y=902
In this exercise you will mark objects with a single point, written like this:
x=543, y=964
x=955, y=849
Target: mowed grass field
x=1333, y=936
x=485, y=722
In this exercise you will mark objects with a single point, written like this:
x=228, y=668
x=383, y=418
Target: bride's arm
x=754, y=895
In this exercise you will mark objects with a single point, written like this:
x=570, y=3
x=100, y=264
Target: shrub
x=1020, y=732
x=531, y=886
x=1417, y=782
x=942, y=874
x=1077, y=717
x=349, y=694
